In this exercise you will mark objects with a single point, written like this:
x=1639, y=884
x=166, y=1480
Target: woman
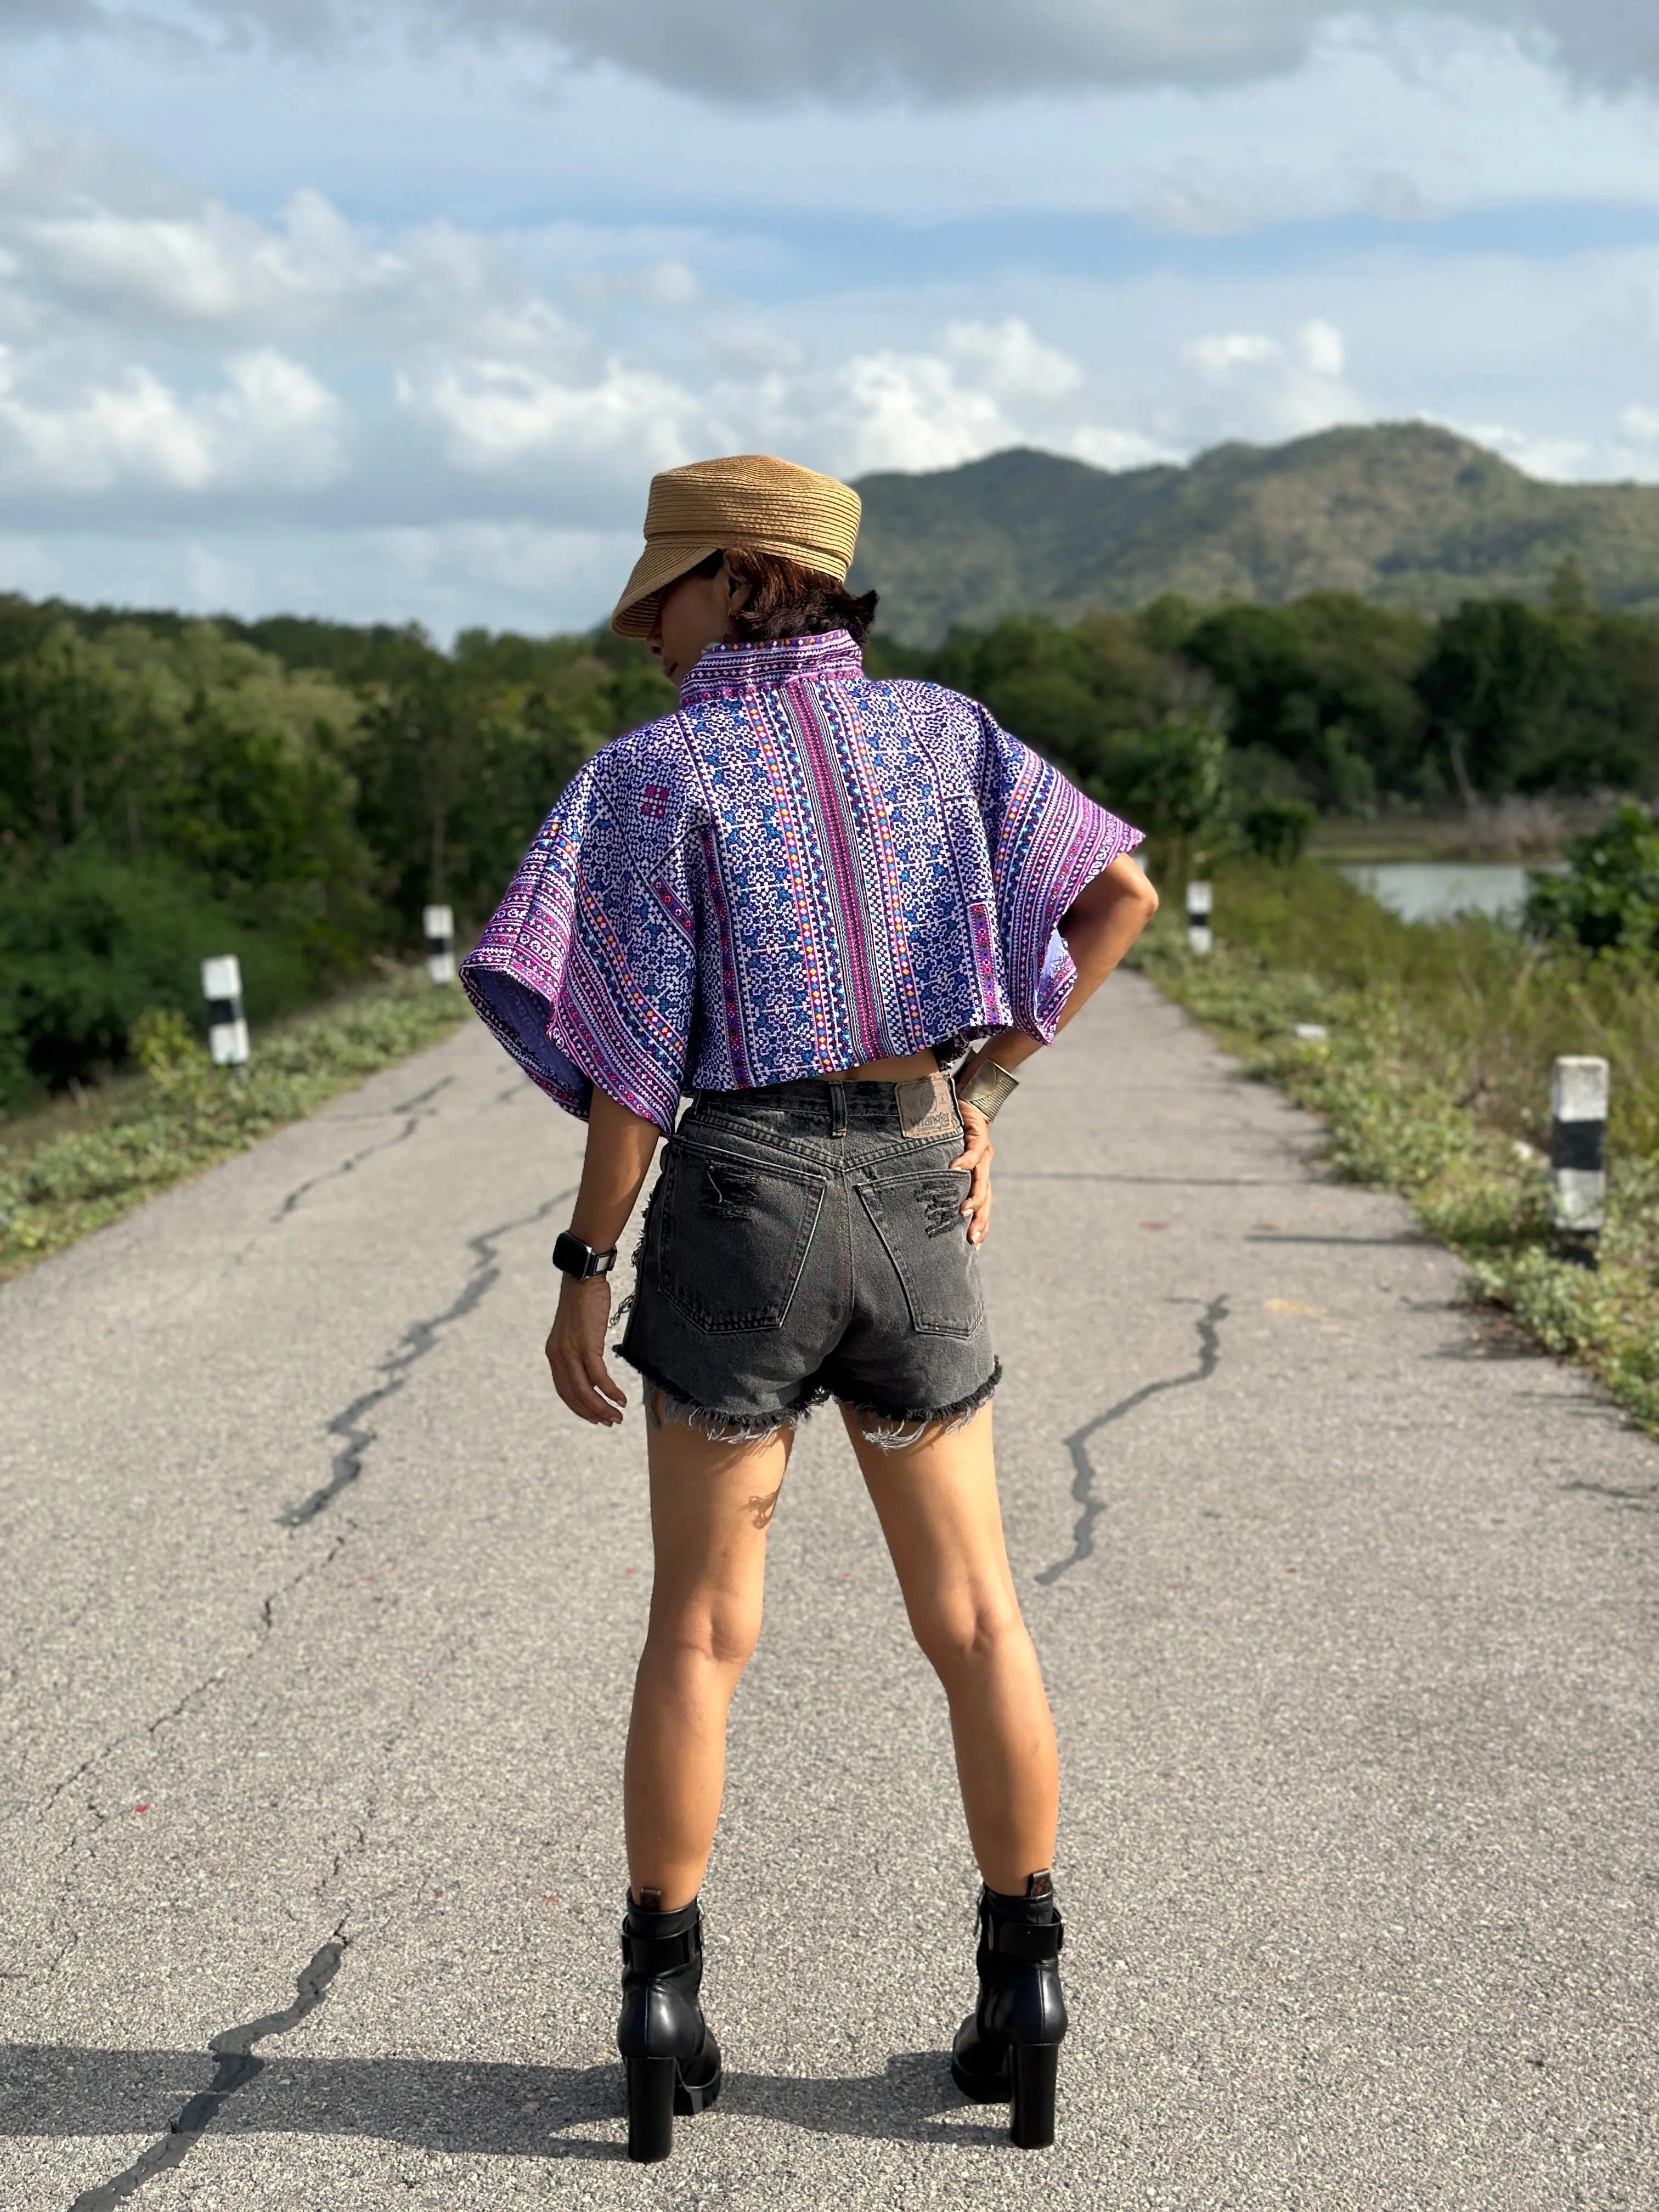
x=803, y=899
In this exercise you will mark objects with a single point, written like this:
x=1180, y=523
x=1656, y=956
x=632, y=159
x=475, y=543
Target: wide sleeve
x=586, y=971
x=1047, y=842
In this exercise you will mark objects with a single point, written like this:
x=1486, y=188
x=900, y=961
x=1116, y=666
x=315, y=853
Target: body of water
x=1429, y=891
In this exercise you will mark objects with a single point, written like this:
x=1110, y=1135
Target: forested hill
x=1402, y=513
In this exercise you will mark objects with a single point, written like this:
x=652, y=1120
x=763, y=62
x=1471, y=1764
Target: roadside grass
x=67, y=1172
x=1434, y=1079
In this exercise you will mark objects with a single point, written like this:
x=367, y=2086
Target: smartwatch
x=572, y=1257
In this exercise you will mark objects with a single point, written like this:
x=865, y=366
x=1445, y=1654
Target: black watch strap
x=572, y=1257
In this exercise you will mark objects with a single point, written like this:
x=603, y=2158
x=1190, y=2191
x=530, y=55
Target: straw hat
x=749, y=500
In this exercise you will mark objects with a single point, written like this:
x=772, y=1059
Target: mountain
x=1401, y=513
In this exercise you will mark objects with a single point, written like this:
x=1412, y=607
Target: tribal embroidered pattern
x=800, y=870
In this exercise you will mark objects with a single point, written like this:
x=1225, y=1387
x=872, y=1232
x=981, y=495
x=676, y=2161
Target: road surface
x=320, y=1615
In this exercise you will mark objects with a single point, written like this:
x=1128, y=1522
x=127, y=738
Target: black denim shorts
x=799, y=1246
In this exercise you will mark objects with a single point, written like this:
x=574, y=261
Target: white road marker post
x=1578, y=1156
x=221, y=987
x=1198, y=906
x=438, y=924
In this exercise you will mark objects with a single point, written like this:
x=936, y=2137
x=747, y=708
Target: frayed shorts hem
x=888, y=1428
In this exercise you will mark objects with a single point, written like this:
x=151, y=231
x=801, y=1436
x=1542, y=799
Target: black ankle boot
x=672, y=2060
x=1007, y=2051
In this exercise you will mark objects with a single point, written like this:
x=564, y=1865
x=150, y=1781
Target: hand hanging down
x=575, y=1353
x=620, y=1145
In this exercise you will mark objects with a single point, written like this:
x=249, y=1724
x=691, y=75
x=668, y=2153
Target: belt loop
x=837, y=1109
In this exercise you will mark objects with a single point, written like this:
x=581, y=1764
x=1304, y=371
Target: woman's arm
x=1099, y=926
x=619, y=1149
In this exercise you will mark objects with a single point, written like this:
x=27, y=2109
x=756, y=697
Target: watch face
x=570, y=1255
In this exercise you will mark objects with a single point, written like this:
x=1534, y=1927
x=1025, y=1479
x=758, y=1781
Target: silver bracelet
x=987, y=1089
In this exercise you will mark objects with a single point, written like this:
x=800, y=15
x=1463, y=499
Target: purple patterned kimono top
x=801, y=871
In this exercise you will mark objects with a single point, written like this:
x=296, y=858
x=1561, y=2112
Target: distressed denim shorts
x=799, y=1246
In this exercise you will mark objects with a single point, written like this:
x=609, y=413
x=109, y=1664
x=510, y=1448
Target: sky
x=386, y=309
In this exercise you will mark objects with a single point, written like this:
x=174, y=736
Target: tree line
x=1333, y=702
x=296, y=791
x=292, y=792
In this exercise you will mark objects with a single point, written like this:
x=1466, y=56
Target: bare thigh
x=711, y=1506
x=938, y=1505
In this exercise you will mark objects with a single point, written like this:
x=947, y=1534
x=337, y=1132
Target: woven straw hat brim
x=748, y=500
x=662, y=563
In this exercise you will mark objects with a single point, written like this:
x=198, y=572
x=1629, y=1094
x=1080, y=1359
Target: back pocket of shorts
x=734, y=1238
x=925, y=1235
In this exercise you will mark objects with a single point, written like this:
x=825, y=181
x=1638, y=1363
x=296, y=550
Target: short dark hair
x=788, y=599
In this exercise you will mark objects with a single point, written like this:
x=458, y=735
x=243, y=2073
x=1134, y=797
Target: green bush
x=1278, y=829
x=1610, y=895
x=88, y=942
x=1171, y=782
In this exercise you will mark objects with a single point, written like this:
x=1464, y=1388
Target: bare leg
x=937, y=1502
x=710, y=1507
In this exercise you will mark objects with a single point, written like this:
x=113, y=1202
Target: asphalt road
x=320, y=1616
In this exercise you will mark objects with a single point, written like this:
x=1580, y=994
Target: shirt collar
x=830, y=657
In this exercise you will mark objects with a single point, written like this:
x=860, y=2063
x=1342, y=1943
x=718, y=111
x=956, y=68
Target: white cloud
x=208, y=266
x=205, y=270
x=1320, y=348
x=1219, y=355
x=909, y=412
x=1635, y=453
x=1009, y=361
x=1105, y=448
x=272, y=423
x=1554, y=460
x=1260, y=387
x=501, y=414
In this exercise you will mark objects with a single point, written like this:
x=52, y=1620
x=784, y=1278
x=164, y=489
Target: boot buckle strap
x=1012, y=1939
x=660, y=1955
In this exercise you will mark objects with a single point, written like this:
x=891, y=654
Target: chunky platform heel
x=1007, y=2051
x=669, y=2052
x=1036, y=2072
x=650, y=2108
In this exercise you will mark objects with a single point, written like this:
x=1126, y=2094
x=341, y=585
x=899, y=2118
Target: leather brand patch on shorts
x=924, y=1107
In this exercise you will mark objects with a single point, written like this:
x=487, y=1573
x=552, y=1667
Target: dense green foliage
x=1327, y=703
x=1610, y=896
x=1403, y=514
x=291, y=792
x=1434, y=1082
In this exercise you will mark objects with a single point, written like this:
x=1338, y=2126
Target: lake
x=1429, y=891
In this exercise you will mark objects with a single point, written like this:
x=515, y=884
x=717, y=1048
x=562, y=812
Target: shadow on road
x=448, y=2106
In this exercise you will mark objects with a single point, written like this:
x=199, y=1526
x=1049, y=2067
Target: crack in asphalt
x=237, y=2067
x=1082, y=1480
x=422, y=1337
x=414, y=1344
x=149, y=1730
x=417, y=1110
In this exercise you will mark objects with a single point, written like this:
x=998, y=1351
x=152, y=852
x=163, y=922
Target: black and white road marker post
x=1578, y=1156
x=221, y=987
x=1199, y=904
x=438, y=924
